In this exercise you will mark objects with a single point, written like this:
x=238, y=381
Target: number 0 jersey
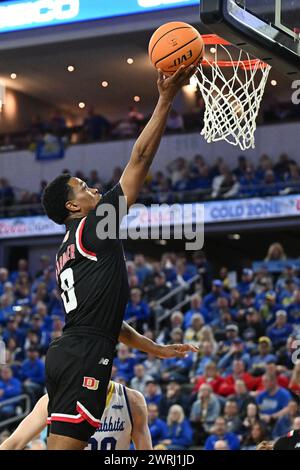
x=91, y=271
x=115, y=430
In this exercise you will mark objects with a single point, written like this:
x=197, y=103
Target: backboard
x=268, y=29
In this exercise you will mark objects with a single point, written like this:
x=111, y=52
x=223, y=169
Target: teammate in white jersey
x=124, y=420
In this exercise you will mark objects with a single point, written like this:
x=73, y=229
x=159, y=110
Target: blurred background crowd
x=185, y=180
x=242, y=387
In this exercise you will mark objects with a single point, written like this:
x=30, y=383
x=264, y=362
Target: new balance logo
x=90, y=383
x=104, y=361
x=117, y=407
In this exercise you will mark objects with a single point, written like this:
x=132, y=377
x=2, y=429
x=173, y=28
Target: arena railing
x=25, y=409
x=182, y=297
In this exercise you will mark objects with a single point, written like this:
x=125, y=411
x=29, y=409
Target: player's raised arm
x=133, y=339
x=140, y=431
x=148, y=142
x=29, y=428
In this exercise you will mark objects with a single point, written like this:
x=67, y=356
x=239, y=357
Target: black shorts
x=78, y=370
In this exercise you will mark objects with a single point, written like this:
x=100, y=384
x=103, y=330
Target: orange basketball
x=174, y=44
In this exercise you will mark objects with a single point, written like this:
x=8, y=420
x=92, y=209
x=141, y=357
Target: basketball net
x=232, y=102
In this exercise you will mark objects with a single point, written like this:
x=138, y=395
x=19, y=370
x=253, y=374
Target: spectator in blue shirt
x=249, y=183
x=137, y=312
x=242, y=166
x=289, y=274
x=246, y=283
x=259, y=361
x=286, y=293
x=272, y=184
x=13, y=331
x=180, y=433
x=202, y=180
x=222, y=305
x=206, y=356
x=184, y=270
x=210, y=300
x=220, y=434
x=22, y=267
x=177, y=368
x=294, y=308
x=33, y=374
x=141, y=268
x=267, y=305
x=125, y=363
x=3, y=279
x=196, y=307
x=152, y=392
x=280, y=330
x=273, y=401
x=158, y=428
x=220, y=323
x=232, y=333
x=285, y=423
x=236, y=352
x=9, y=387
x=39, y=328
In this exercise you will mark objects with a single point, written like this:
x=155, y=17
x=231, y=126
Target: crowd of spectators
x=96, y=127
x=183, y=181
x=241, y=388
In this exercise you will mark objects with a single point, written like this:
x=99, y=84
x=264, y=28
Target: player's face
x=84, y=197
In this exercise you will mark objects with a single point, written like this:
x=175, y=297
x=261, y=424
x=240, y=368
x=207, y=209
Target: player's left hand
x=175, y=350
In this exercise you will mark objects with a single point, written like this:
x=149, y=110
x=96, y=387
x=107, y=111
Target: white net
x=232, y=91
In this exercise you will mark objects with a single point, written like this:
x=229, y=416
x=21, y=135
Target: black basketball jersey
x=91, y=273
x=289, y=442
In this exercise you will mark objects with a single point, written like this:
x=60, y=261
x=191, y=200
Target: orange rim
x=215, y=40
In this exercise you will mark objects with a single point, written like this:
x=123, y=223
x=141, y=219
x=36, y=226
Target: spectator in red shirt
x=211, y=376
x=271, y=368
x=238, y=373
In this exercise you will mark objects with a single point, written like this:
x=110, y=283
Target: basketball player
x=289, y=442
x=124, y=419
x=91, y=273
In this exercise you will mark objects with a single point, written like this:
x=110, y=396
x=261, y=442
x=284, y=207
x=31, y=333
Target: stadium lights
x=136, y=98
x=81, y=105
x=13, y=76
x=213, y=50
x=234, y=236
x=71, y=68
x=104, y=84
x=273, y=82
x=130, y=61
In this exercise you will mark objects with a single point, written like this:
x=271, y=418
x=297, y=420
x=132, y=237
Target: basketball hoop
x=232, y=100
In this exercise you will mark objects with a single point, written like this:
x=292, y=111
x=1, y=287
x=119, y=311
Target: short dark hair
x=55, y=196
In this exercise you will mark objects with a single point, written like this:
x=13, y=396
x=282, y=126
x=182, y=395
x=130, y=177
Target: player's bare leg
x=56, y=442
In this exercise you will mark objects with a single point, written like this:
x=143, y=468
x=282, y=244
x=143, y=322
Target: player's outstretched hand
x=169, y=86
x=176, y=350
